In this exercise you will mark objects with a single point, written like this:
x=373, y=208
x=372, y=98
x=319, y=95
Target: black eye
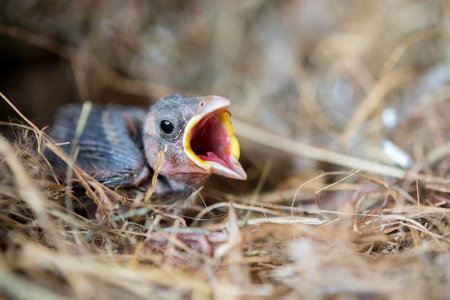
x=167, y=127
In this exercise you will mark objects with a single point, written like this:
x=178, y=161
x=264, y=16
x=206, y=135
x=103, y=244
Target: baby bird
x=119, y=144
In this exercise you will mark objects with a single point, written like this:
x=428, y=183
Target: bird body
x=119, y=144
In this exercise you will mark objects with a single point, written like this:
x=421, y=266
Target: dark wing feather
x=110, y=147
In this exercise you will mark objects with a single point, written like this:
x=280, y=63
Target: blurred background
x=362, y=78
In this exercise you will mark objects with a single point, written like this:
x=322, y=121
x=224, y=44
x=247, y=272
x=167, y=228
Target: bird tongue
x=211, y=156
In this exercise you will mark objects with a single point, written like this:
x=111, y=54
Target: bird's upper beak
x=209, y=139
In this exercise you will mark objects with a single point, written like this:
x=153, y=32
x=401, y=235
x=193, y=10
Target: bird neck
x=193, y=180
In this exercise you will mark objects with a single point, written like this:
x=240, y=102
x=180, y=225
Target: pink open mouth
x=209, y=140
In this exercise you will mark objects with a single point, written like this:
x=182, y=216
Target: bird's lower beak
x=209, y=139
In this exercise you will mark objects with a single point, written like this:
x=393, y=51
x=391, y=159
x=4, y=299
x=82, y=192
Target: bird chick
x=119, y=144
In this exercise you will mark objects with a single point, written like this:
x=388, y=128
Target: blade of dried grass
x=265, y=209
x=257, y=190
x=271, y=140
x=240, y=206
x=110, y=76
x=287, y=220
x=411, y=40
x=152, y=227
x=418, y=226
x=86, y=109
x=438, y=153
x=13, y=286
x=31, y=194
x=173, y=237
x=233, y=251
x=123, y=84
x=54, y=47
x=91, y=276
x=307, y=99
x=373, y=101
x=160, y=157
x=348, y=176
x=387, y=80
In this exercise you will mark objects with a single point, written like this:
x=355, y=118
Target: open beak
x=209, y=139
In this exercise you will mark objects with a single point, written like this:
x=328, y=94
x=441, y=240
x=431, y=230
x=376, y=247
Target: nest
x=341, y=115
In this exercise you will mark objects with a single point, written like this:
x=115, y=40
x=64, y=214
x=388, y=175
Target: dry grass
x=330, y=210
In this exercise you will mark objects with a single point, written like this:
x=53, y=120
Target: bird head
x=198, y=134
